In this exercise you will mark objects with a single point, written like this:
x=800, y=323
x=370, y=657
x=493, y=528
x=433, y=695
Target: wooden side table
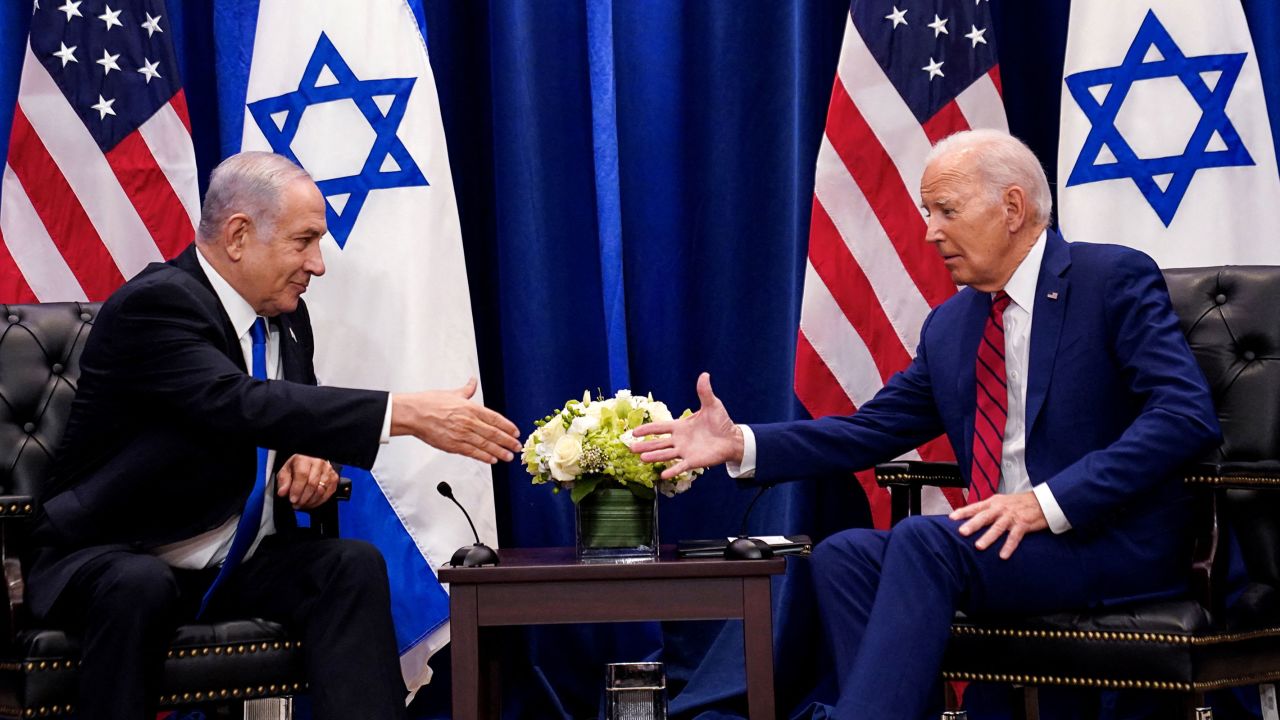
x=536, y=586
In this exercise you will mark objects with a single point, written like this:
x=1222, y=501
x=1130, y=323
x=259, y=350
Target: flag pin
x=1053, y=296
x=295, y=337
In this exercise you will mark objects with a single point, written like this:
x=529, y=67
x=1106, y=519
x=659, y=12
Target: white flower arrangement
x=588, y=442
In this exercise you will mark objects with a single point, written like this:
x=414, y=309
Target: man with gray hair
x=196, y=431
x=1061, y=378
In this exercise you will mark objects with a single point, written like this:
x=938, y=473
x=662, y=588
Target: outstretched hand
x=450, y=421
x=705, y=438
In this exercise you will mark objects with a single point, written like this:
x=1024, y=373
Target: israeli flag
x=346, y=89
x=1165, y=143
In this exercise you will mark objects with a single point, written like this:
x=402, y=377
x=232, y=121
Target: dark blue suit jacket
x=1115, y=400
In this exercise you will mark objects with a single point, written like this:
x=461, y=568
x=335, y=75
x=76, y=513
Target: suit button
x=1249, y=356
x=1220, y=299
x=28, y=428
x=86, y=316
x=13, y=318
x=57, y=368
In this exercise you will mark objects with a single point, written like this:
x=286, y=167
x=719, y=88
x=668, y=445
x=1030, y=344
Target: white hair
x=251, y=183
x=1002, y=161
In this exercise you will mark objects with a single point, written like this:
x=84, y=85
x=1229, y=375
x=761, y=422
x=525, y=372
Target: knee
x=924, y=533
x=836, y=555
x=358, y=563
x=140, y=585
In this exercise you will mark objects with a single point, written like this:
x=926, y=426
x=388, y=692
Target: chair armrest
x=919, y=473
x=906, y=478
x=1221, y=492
x=324, y=518
x=1260, y=475
x=17, y=507
x=15, y=510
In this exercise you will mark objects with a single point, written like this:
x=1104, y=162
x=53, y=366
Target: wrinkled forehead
x=948, y=176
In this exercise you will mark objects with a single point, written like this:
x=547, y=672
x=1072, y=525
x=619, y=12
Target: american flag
x=101, y=174
x=911, y=72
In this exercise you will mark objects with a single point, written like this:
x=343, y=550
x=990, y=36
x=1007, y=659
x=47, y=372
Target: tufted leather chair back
x=40, y=348
x=1231, y=317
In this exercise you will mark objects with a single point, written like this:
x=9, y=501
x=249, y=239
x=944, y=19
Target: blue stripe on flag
x=604, y=125
x=235, y=22
x=419, y=605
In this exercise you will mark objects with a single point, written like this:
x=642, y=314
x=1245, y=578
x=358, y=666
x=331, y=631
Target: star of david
x=389, y=164
x=1195, y=156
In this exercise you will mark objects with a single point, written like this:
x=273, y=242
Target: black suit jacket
x=160, y=443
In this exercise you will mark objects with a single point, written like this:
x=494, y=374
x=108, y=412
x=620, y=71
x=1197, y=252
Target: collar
x=238, y=309
x=1022, y=285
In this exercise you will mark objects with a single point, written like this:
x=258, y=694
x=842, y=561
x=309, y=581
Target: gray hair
x=1005, y=161
x=251, y=183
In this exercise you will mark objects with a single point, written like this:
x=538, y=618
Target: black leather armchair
x=1194, y=645
x=225, y=662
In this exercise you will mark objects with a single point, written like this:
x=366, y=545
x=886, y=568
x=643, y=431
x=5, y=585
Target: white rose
x=623, y=393
x=658, y=412
x=553, y=431
x=627, y=439
x=564, y=458
x=583, y=425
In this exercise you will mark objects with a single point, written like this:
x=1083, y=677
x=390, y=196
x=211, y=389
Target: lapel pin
x=295, y=337
x=1053, y=296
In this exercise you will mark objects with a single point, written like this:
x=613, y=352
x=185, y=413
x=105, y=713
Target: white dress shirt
x=1014, y=478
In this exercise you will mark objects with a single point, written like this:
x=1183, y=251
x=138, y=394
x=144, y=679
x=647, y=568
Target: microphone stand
x=475, y=555
x=748, y=548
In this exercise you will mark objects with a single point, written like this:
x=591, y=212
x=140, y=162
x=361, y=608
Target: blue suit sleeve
x=900, y=417
x=1176, y=423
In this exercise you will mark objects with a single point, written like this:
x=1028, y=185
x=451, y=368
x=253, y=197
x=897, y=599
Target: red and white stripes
x=75, y=222
x=871, y=279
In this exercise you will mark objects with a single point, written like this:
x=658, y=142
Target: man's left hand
x=1016, y=514
x=308, y=481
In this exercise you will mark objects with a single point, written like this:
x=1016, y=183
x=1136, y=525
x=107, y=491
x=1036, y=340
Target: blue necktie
x=251, y=517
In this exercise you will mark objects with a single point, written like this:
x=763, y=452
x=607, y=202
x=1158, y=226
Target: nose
x=314, y=263
x=932, y=230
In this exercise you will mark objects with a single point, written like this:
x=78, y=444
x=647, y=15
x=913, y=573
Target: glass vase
x=613, y=524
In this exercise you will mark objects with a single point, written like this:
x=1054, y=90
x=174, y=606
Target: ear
x=1015, y=208
x=236, y=233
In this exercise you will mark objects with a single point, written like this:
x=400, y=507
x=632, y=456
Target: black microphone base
x=474, y=556
x=747, y=548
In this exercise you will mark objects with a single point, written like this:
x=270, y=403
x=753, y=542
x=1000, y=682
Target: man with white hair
x=196, y=431
x=1069, y=395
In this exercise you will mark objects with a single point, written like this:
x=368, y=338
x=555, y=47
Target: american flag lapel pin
x=1053, y=295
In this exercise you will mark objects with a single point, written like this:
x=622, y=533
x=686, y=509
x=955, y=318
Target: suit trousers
x=332, y=594
x=887, y=598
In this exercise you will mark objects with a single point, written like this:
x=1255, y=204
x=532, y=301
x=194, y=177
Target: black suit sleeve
x=167, y=347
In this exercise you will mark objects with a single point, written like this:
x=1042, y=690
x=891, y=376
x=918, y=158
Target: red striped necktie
x=993, y=401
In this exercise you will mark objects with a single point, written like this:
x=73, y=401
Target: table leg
x=757, y=632
x=464, y=636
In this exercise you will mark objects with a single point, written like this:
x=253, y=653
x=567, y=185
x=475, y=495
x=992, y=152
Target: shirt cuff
x=747, y=468
x=385, y=437
x=1058, y=522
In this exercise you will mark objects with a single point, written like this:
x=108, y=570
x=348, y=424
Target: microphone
x=748, y=548
x=474, y=555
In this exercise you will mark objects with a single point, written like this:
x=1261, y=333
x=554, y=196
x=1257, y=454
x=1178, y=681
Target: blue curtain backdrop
x=634, y=181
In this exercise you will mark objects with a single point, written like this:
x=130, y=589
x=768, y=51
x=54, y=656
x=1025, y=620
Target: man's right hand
x=705, y=438
x=449, y=421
